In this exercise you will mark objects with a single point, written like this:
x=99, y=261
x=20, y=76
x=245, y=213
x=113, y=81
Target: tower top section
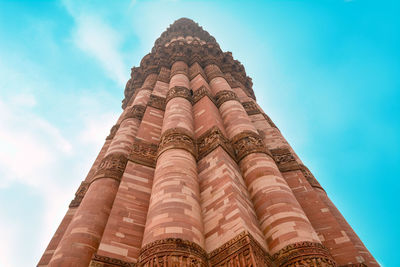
x=183, y=29
x=186, y=41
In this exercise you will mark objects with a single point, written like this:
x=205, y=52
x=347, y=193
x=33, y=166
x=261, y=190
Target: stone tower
x=194, y=173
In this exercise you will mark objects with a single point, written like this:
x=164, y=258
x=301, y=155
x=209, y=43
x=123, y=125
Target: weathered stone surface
x=194, y=173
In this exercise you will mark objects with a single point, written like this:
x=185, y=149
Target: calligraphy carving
x=112, y=166
x=103, y=261
x=173, y=252
x=284, y=159
x=251, y=108
x=135, y=112
x=177, y=138
x=248, y=142
x=225, y=95
x=241, y=251
x=303, y=254
x=310, y=177
x=113, y=131
x=200, y=93
x=179, y=91
x=157, y=102
x=210, y=140
x=144, y=153
x=80, y=193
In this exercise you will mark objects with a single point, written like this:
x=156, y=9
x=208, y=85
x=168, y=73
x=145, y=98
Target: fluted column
x=83, y=234
x=282, y=220
x=174, y=230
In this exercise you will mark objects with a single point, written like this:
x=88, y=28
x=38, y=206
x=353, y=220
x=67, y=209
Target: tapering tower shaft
x=194, y=173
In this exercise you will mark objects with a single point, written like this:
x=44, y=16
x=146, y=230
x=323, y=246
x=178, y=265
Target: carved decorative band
x=310, y=177
x=303, y=254
x=157, y=102
x=80, y=193
x=172, y=252
x=210, y=140
x=179, y=91
x=268, y=119
x=212, y=70
x=286, y=161
x=113, y=131
x=242, y=250
x=248, y=142
x=177, y=138
x=103, y=261
x=135, y=112
x=112, y=166
x=251, y=108
x=200, y=93
x=144, y=153
x=164, y=75
x=225, y=95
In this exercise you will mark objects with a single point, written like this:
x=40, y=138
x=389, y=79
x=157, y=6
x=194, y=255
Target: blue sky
x=327, y=72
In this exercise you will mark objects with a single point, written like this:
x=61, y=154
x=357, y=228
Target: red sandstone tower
x=194, y=173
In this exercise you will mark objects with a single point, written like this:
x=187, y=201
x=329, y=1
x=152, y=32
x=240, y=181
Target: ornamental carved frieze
x=248, y=142
x=212, y=70
x=165, y=57
x=157, y=102
x=179, y=91
x=177, y=138
x=310, y=177
x=103, y=261
x=113, y=131
x=164, y=75
x=284, y=159
x=251, y=108
x=202, y=92
x=112, y=166
x=135, y=112
x=144, y=153
x=195, y=69
x=210, y=140
x=241, y=251
x=225, y=95
x=80, y=193
x=304, y=254
x=172, y=252
x=268, y=119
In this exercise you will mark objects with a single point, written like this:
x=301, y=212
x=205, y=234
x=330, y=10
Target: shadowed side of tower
x=194, y=173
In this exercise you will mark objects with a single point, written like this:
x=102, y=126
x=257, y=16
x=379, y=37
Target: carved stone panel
x=304, y=254
x=113, y=131
x=144, y=153
x=285, y=160
x=135, y=112
x=241, y=251
x=248, y=142
x=177, y=138
x=179, y=91
x=310, y=177
x=112, y=166
x=157, y=102
x=225, y=95
x=103, y=261
x=251, y=108
x=200, y=93
x=80, y=193
x=268, y=119
x=210, y=140
x=173, y=252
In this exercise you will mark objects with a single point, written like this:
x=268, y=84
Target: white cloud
x=93, y=36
